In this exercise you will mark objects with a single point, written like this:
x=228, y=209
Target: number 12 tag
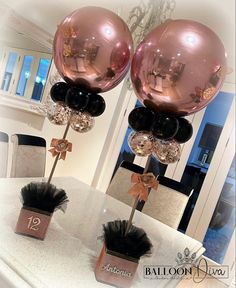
x=33, y=223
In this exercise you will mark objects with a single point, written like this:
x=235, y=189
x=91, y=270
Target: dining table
x=67, y=257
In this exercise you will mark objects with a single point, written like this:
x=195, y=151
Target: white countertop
x=67, y=256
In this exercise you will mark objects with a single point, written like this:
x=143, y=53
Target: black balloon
x=164, y=126
x=141, y=119
x=58, y=91
x=184, y=132
x=77, y=99
x=96, y=105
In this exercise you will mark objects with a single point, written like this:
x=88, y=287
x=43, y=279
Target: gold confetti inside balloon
x=81, y=122
x=167, y=152
x=58, y=113
x=141, y=143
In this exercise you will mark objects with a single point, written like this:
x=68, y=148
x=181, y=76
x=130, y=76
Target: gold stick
x=58, y=155
x=136, y=200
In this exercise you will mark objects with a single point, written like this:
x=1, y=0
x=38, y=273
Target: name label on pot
x=113, y=269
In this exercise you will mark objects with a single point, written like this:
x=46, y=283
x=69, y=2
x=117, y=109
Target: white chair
x=28, y=156
x=3, y=154
x=168, y=203
x=121, y=182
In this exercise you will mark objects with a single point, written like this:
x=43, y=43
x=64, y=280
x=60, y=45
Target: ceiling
x=216, y=14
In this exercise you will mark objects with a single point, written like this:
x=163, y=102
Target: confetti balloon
x=141, y=143
x=93, y=48
x=58, y=113
x=179, y=67
x=81, y=122
x=167, y=152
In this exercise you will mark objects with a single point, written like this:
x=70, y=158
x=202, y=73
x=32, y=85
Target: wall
x=217, y=15
x=216, y=113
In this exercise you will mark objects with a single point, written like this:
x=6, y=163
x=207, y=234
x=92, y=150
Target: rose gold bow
x=142, y=183
x=60, y=146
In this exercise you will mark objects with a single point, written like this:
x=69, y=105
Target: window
x=24, y=73
x=11, y=61
x=41, y=78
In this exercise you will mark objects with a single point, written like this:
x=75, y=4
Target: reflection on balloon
x=58, y=113
x=58, y=91
x=120, y=55
x=141, y=143
x=164, y=127
x=167, y=152
x=177, y=68
x=81, y=122
x=76, y=99
x=92, y=48
x=185, y=131
x=141, y=119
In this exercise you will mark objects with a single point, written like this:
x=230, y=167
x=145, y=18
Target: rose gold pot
x=33, y=222
x=115, y=269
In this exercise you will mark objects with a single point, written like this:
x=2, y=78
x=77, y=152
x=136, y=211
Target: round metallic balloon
x=167, y=152
x=141, y=119
x=93, y=48
x=164, y=127
x=141, y=143
x=81, y=122
x=76, y=99
x=58, y=113
x=179, y=67
x=58, y=91
x=185, y=131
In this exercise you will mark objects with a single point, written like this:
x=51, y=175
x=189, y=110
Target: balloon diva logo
x=173, y=81
x=184, y=269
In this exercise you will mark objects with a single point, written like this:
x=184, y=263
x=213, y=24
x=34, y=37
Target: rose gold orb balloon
x=93, y=48
x=141, y=143
x=179, y=67
x=167, y=152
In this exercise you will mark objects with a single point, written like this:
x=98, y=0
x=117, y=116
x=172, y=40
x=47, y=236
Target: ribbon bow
x=142, y=183
x=60, y=146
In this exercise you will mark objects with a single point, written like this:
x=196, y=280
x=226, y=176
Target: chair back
x=28, y=156
x=4, y=139
x=168, y=203
x=121, y=182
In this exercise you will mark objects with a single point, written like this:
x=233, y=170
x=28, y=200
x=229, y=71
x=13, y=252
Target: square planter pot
x=33, y=222
x=115, y=269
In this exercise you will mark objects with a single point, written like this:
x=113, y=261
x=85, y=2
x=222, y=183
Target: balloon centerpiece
x=92, y=57
x=176, y=70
